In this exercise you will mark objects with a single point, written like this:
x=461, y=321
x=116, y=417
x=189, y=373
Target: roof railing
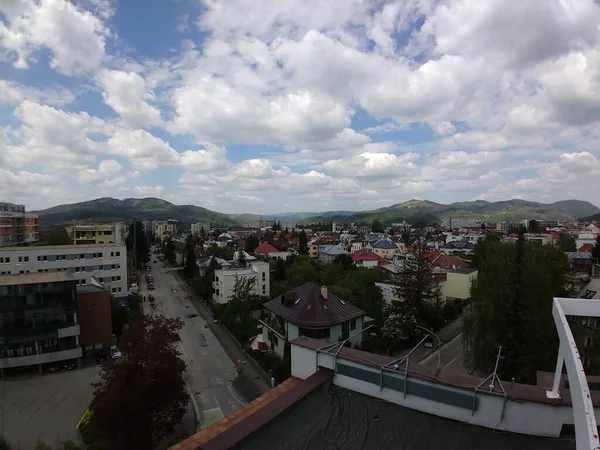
x=336, y=347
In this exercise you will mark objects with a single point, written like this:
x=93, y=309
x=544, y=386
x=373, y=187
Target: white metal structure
x=586, y=431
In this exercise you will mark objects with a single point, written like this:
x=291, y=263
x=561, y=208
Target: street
x=210, y=371
x=451, y=357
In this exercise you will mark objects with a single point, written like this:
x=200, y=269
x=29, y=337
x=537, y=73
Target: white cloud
x=143, y=150
x=149, y=191
x=107, y=169
x=12, y=93
x=75, y=37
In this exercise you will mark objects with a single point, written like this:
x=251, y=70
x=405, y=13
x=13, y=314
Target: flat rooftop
x=57, y=247
x=334, y=418
x=35, y=278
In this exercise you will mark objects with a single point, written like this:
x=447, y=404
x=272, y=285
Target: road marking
x=450, y=363
x=183, y=351
x=219, y=382
x=441, y=349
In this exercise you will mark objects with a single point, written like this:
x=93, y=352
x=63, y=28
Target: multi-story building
x=225, y=279
x=105, y=262
x=196, y=228
x=38, y=320
x=162, y=228
x=94, y=316
x=97, y=234
x=17, y=227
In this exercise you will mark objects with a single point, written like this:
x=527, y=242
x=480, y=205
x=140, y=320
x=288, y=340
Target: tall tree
x=241, y=258
x=169, y=249
x=141, y=398
x=566, y=243
x=303, y=243
x=512, y=307
x=190, y=266
x=533, y=226
x=596, y=251
x=58, y=236
x=400, y=324
x=252, y=242
x=279, y=270
x=377, y=226
x=137, y=243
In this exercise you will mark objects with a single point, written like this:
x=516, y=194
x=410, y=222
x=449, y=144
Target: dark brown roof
x=305, y=306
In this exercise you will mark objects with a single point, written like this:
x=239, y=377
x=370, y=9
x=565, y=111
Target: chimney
x=324, y=292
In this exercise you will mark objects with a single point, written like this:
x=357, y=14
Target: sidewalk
x=253, y=381
x=446, y=334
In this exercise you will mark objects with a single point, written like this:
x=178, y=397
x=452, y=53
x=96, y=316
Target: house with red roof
x=586, y=248
x=266, y=249
x=366, y=258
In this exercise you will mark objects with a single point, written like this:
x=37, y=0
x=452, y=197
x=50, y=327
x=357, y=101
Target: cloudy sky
x=272, y=106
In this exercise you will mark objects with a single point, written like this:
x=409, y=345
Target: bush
x=449, y=312
x=268, y=361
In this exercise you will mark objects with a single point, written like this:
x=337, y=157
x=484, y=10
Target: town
x=236, y=303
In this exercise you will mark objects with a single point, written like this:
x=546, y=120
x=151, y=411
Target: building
x=105, y=262
x=163, y=228
x=17, y=227
x=196, y=228
x=458, y=282
x=266, y=249
x=225, y=279
x=311, y=310
x=366, y=258
x=114, y=233
x=94, y=317
x=38, y=320
x=313, y=250
x=389, y=290
x=384, y=247
x=328, y=253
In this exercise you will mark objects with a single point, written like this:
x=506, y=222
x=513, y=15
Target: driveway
x=47, y=407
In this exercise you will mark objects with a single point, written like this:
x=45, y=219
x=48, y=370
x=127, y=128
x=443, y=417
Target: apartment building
x=97, y=234
x=224, y=281
x=105, y=262
x=195, y=228
x=38, y=320
x=162, y=228
x=17, y=227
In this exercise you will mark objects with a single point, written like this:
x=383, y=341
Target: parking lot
x=47, y=407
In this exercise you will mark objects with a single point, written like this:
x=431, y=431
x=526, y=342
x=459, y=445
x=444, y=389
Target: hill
x=509, y=210
x=594, y=218
x=287, y=216
x=106, y=209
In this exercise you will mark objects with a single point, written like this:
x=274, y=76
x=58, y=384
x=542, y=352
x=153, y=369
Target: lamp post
x=439, y=351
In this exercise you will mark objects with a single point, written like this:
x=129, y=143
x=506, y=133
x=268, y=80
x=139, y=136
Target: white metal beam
x=586, y=431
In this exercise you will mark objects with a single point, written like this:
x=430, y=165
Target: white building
x=106, y=262
x=224, y=281
x=196, y=227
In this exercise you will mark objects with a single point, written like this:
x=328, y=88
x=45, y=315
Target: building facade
x=97, y=234
x=94, y=317
x=105, y=262
x=224, y=281
x=196, y=228
x=38, y=320
x=17, y=227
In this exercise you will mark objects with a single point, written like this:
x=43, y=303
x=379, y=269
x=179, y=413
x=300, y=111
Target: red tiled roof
x=305, y=306
x=366, y=255
x=432, y=256
x=265, y=248
x=586, y=248
x=449, y=262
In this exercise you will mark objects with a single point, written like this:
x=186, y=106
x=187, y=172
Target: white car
x=115, y=353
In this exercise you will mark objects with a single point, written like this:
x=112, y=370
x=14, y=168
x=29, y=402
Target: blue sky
x=271, y=106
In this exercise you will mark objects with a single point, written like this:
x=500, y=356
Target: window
x=63, y=257
x=353, y=324
x=114, y=290
x=112, y=254
x=7, y=260
x=45, y=258
x=264, y=276
x=264, y=289
x=26, y=258
x=588, y=341
x=118, y=254
x=2, y=260
x=82, y=256
x=113, y=267
x=20, y=259
x=119, y=278
x=119, y=289
x=99, y=255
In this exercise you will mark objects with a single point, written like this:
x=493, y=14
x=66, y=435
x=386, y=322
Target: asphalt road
x=210, y=371
x=451, y=357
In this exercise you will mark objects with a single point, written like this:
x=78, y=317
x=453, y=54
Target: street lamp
x=439, y=351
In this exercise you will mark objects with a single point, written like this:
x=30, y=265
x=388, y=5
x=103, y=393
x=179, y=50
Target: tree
x=140, y=249
x=170, y=250
x=252, y=243
x=241, y=259
x=279, y=270
x=345, y=261
x=377, y=226
x=566, y=243
x=400, y=323
x=203, y=284
x=533, y=226
x=141, y=398
x=190, y=265
x=417, y=286
x=303, y=243
x=512, y=307
x=483, y=227
x=596, y=251
x=56, y=237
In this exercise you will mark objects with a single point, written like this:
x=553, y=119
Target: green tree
x=512, y=307
x=533, y=226
x=140, y=399
x=303, y=243
x=377, y=226
x=279, y=270
x=170, y=250
x=479, y=252
x=400, y=324
x=566, y=243
x=202, y=284
x=345, y=261
x=596, y=251
x=241, y=259
x=252, y=242
x=190, y=265
x=57, y=236
x=140, y=249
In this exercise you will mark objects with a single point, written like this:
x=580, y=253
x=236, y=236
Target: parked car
x=53, y=368
x=69, y=365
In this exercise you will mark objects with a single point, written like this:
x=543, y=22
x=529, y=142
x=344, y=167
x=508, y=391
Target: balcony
x=43, y=358
x=69, y=331
x=274, y=326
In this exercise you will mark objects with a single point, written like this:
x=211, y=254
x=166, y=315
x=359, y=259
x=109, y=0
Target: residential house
x=311, y=310
x=539, y=238
x=458, y=282
x=443, y=261
x=179, y=252
x=366, y=258
x=384, y=247
x=248, y=256
x=389, y=290
x=356, y=246
x=593, y=229
x=328, y=253
x=266, y=249
x=589, y=248
x=313, y=250
x=458, y=248
x=204, y=263
x=585, y=238
x=224, y=281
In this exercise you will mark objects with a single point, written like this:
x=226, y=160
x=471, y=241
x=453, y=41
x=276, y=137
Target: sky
x=280, y=106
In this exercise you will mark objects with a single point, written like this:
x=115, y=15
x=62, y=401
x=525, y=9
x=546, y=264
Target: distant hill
x=287, y=216
x=106, y=209
x=509, y=210
x=594, y=218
